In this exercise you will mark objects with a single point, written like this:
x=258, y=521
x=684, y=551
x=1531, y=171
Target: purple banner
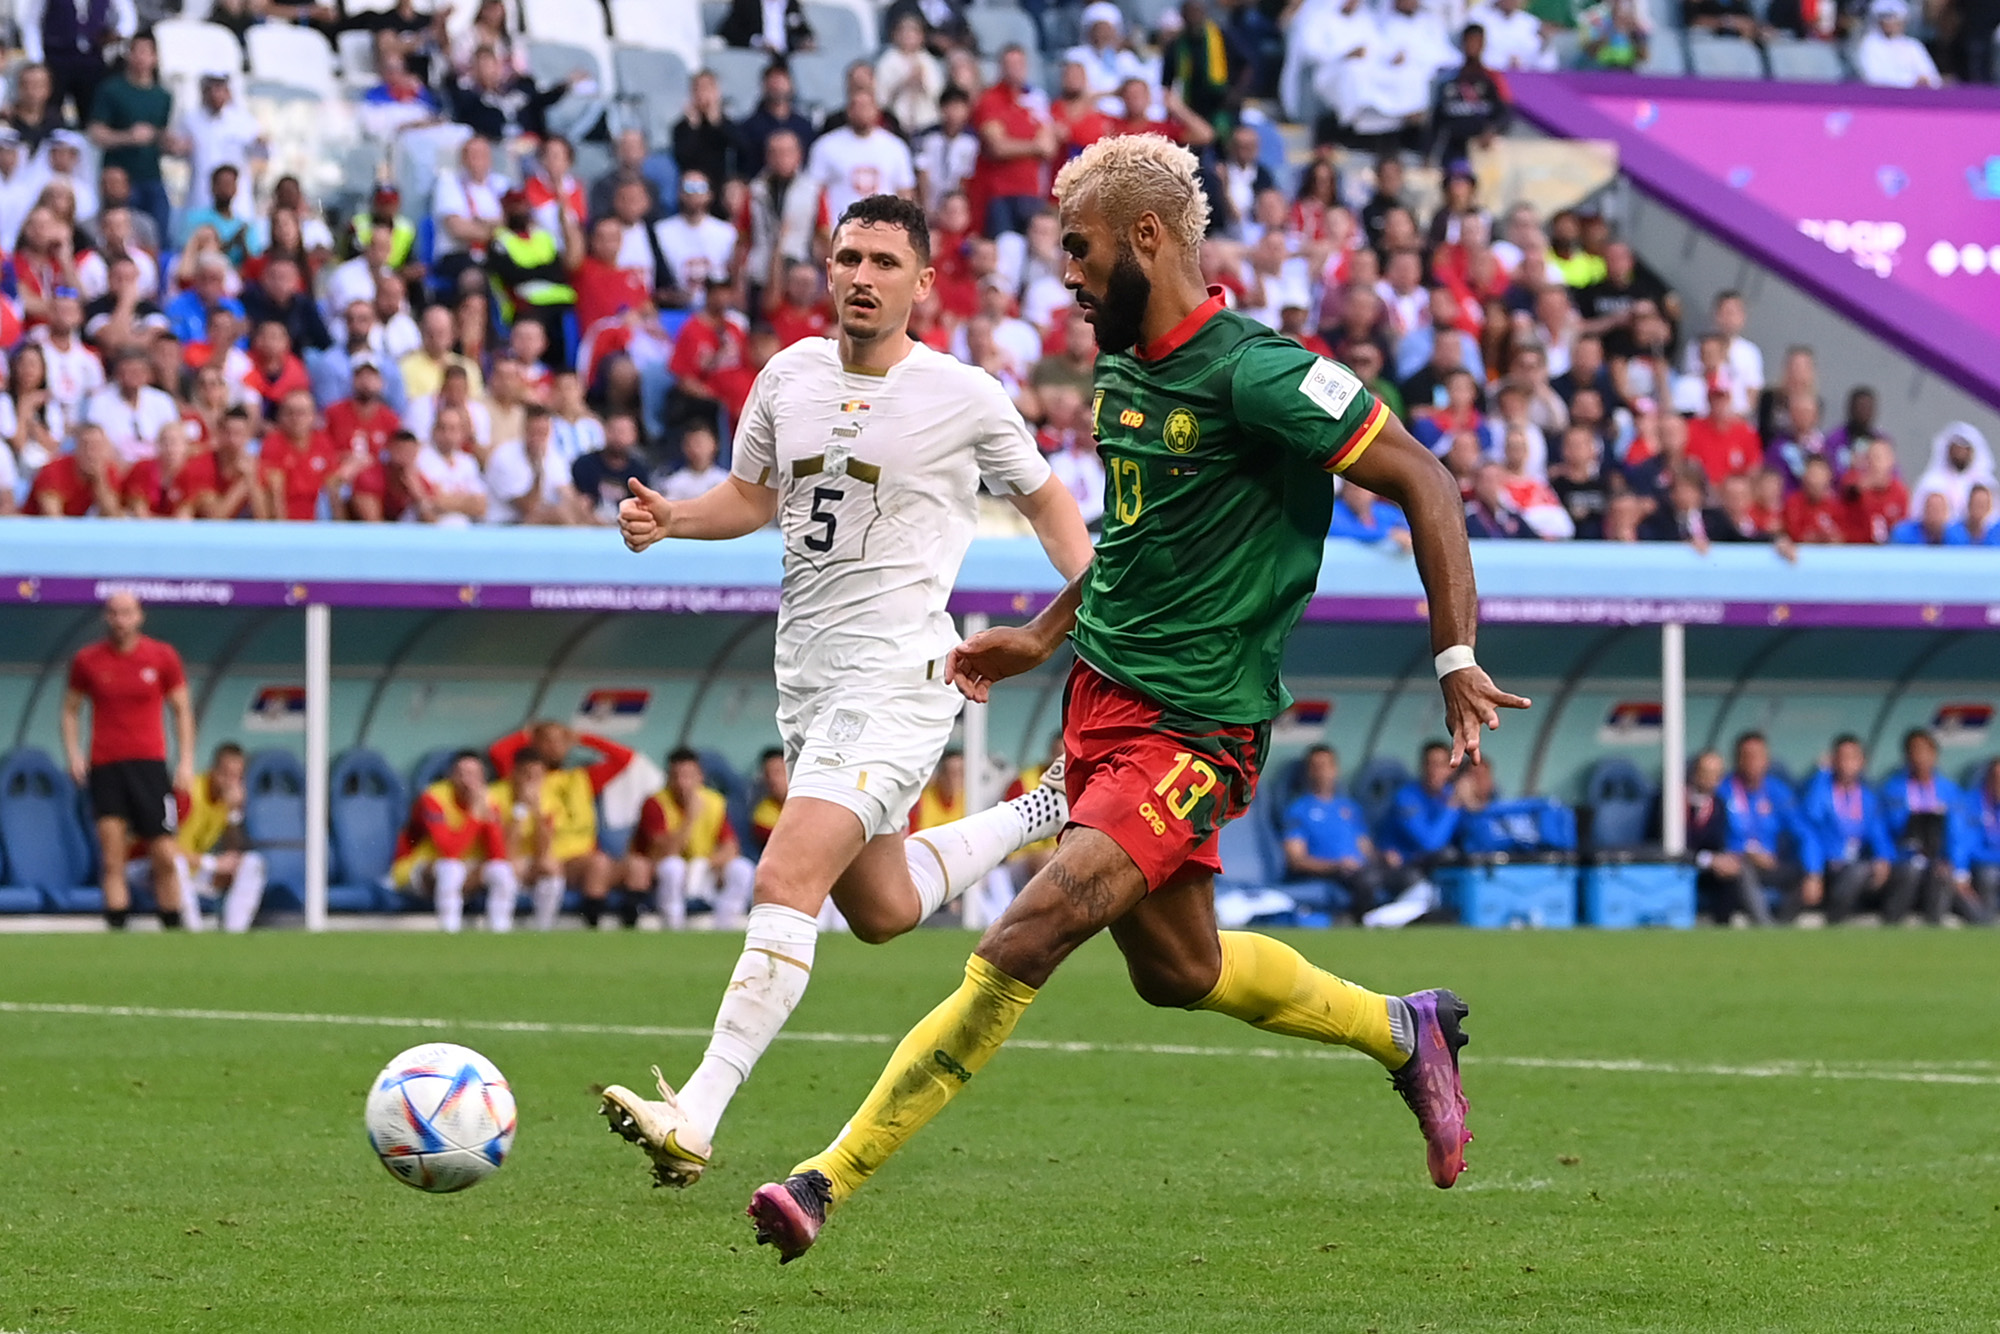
x=18, y=589
x=1883, y=203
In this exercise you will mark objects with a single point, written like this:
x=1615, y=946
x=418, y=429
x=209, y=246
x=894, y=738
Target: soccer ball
x=440, y=1117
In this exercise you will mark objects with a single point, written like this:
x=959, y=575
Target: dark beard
x=1123, y=308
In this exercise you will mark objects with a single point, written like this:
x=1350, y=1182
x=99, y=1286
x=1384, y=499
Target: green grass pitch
x=1803, y=1138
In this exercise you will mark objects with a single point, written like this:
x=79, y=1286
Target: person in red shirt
x=454, y=826
x=394, y=489
x=1078, y=122
x=953, y=244
x=84, y=482
x=1016, y=139
x=274, y=372
x=799, y=311
x=602, y=288
x=710, y=348
x=298, y=462
x=1179, y=124
x=239, y=491
x=363, y=424
x=1877, y=500
x=1815, y=512
x=172, y=483
x=126, y=678
x=1723, y=443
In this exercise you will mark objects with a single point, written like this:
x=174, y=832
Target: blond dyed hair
x=1134, y=174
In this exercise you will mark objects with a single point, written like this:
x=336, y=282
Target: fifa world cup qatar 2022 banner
x=1901, y=184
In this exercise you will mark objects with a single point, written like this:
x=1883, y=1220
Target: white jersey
x=878, y=484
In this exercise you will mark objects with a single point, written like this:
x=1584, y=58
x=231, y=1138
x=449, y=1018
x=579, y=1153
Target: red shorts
x=1160, y=793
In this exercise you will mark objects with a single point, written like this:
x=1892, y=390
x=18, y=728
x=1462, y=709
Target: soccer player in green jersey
x=1219, y=439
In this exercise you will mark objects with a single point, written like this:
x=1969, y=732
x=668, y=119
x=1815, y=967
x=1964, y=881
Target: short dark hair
x=534, y=412
x=682, y=755
x=1846, y=739
x=1745, y=738
x=1469, y=29
x=1922, y=734
x=528, y=757
x=770, y=753
x=223, y=752
x=953, y=93
x=892, y=211
x=1430, y=746
x=1322, y=749
x=461, y=756
x=242, y=414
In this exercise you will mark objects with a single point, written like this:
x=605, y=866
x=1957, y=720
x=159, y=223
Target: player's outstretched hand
x=1472, y=701
x=994, y=655
x=642, y=517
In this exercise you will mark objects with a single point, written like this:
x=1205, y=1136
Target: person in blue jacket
x=1361, y=516
x=1329, y=858
x=1926, y=814
x=1417, y=831
x=1850, y=835
x=1981, y=822
x=1775, y=846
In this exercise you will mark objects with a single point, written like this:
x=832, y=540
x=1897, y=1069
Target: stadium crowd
x=517, y=346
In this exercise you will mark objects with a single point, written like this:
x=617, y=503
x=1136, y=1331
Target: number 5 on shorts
x=1180, y=801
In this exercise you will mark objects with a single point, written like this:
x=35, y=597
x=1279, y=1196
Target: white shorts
x=868, y=747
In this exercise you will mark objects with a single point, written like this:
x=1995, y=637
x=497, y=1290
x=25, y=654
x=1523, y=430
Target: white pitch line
x=1914, y=1072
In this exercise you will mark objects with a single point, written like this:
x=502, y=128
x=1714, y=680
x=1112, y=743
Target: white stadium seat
x=574, y=23
x=188, y=50
x=288, y=54
x=664, y=27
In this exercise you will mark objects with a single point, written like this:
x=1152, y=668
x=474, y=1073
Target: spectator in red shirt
x=799, y=311
x=274, y=372
x=1723, y=443
x=709, y=355
x=239, y=491
x=1877, y=500
x=1815, y=512
x=602, y=288
x=363, y=424
x=1179, y=124
x=394, y=489
x=171, y=484
x=1016, y=138
x=127, y=678
x=84, y=482
x=298, y=462
x=1078, y=122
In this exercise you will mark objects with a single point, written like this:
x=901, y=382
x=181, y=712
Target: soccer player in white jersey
x=868, y=449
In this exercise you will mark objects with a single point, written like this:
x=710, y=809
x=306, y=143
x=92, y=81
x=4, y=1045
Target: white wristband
x=1454, y=659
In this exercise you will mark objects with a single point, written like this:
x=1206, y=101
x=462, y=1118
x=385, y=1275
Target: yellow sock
x=932, y=1063
x=1269, y=985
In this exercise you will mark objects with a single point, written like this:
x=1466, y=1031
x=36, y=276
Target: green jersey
x=1217, y=444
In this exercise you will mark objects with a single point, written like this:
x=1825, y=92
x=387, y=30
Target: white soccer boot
x=679, y=1152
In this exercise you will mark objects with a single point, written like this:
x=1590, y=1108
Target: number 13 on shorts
x=1183, y=786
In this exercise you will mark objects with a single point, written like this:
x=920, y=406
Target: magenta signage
x=1911, y=193
x=1882, y=202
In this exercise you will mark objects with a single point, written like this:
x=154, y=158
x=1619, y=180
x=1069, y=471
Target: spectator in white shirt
x=1107, y=60
x=1409, y=50
x=527, y=482
x=948, y=151
x=221, y=132
x=861, y=158
x=63, y=162
x=699, y=473
x=356, y=279
x=116, y=240
x=1019, y=343
x=454, y=395
x=695, y=243
x=465, y=205
x=1274, y=280
x=1075, y=463
x=910, y=77
x=457, y=484
x=20, y=187
x=75, y=372
x=129, y=410
x=573, y=431
x=1743, y=358
x=1888, y=56
x=400, y=336
x=1514, y=37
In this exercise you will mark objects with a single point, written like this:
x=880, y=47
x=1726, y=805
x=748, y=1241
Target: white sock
x=952, y=858
x=739, y=882
x=671, y=875
x=448, y=892
x=770, y=978
x=501, y=891
x=245, y=893
x=190, y=898
x=548, y=902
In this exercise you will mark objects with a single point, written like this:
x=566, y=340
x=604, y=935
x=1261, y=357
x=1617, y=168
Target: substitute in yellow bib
x=529, y=808
x=212, y=843
x=686, y=847
x=570, y=794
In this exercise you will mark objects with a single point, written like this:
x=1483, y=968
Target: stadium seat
x=1251, y=859
x=1145, y=14
x=297, y=57
x=713, y=12
x=551, y=61
x=839, y=31
x=741, y=74
x=356, y=50
x=995, y=27
x=1714, y=57
x=1665, y=54
x=579, y=25
x=1804, y=62
x=655, y=79
x=42, y=834
x=189, y=49
x=1620, y=799
x=819, y=79
x=663, y=27
x=366, y=807
x=1374, y=786
x=274, y=819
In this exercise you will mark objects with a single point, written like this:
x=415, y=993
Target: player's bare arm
x=1051, y=511
x=1396, y=467
x=1009, y=650
x=733, y=508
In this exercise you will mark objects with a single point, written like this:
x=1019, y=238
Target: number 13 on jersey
x=1128, y=493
